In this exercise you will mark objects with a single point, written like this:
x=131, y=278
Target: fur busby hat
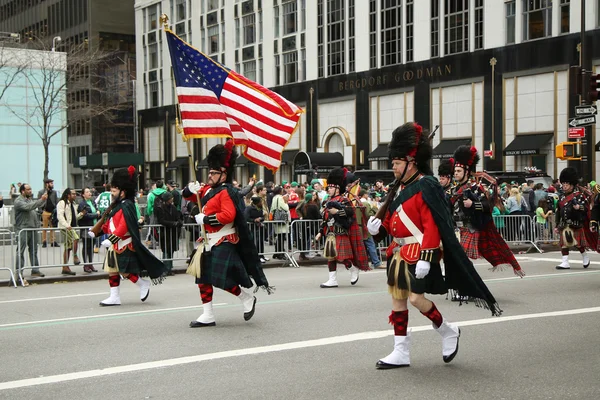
x=446, y=168
x=569, y=175
x=125, y=179
x=222, y=158
x=411, y=143
x=466, y=157
x=337, y=178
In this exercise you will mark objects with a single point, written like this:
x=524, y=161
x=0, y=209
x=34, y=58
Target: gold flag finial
x=164, y=21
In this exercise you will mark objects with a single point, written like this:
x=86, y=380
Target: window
x=435, y=28
x=456, y=35
x=391, y=32
x=276, y=13
x=290, y=17
x=277, y=71
x=303, y=55
x=212, y=5
x=260, y=26
x=320, y=40
x=564, y=16
x=250, y=70
x=303, y=14
x=410, y=11
x=351, y=37
x=213, y=39
x=249, y=29
x=335, y=35
x=290, y=70
x=153, y=59
x=152, y=18
x=537, y=19
x=154, y=94
x=510, y=21
x=180, y=9
x=260, y=71
x=478, y=24
x=237, y=33
x=373, y=33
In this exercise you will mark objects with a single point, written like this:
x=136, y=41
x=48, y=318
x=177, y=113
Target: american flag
x=218, y=102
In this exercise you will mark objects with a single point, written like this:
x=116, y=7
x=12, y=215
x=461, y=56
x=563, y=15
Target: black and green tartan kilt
x=222, y=267
x=433, y=283
x=128, y=262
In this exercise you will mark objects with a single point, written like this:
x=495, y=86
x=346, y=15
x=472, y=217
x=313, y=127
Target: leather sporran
x=569, y=238
x=330, y=251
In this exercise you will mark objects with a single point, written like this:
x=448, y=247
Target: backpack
x=524, y=206
x=158, y=202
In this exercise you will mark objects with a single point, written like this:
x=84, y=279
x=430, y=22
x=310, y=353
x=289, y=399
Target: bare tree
x=9, y=69
x=67, y=89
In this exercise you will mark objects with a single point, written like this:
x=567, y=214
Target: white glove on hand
x=91, y=234
x=200, y=219
x=106, y=243
x=373, y=225
x=194, y=187
x=422, y=269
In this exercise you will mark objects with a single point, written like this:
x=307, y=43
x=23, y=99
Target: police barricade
x=517, y=230
x=7, y=253
x=304, y=231
x=544, y=232
x=273, y=238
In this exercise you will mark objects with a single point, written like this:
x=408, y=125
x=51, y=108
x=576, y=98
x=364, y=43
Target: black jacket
x=170, y=218
x=89, y=218
x=252, y=212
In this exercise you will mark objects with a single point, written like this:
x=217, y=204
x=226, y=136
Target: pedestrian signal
x=568, y=151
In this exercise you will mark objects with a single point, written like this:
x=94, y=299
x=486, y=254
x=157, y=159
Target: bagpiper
x=343, y=237
x=416, y=216
x=473, y=215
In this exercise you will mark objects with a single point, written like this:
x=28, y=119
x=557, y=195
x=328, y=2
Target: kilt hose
x=579, y=239
x=488, y=244
x=222, y=267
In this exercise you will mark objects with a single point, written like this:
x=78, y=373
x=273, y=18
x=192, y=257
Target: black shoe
x=250, y=314
x=196, y=324
x=71, y=273
x=55, y=244
x=44, y=244
x=449, y=358
x=383, y=365
x=37, y=275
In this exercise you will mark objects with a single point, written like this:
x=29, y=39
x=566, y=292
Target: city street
x=303, y=342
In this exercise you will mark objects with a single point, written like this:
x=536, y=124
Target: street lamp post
x=56, y=39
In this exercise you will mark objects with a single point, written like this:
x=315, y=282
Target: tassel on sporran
x=397, y=264
x=330, y=251
x=195, y=267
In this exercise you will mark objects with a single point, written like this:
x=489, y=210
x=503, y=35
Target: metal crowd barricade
x=274, y=238
x=303, y=231
x=7, y=253
x=518, y=230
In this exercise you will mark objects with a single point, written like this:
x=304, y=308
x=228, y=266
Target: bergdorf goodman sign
x=408, y=75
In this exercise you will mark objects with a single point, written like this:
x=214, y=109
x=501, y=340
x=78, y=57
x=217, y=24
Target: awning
x=287, y=157
x=202, y=164
x=379, y=154
x=176, y=163
x=527, y=144
x=597, y=148
x=447, y=147
x=241, y=161
x=307, y=163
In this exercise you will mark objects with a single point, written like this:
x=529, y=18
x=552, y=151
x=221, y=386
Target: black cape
x=460, y=272
x=245, y=247
x=150, y=265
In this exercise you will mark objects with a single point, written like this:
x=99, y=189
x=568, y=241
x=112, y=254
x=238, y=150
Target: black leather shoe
x=382, y=365
x=249, y=314
x=449, y=358
x=323, y=286
x=44, y=244
x=196, y=324
x=71, y=273
x=586, y=265
x=37, y=275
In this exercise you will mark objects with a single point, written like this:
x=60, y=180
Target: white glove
x=422, y=269
x=194, y=187
x=106, y=243
x=91, y=234
x=200, y=219
x=373, y=225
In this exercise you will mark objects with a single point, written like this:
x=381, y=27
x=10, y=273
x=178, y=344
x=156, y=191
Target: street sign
x=583, y=121
x=576, y=133
x=586, y=110
x=488, y=153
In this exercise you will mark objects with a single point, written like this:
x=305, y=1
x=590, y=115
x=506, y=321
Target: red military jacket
x=418, y=212
x=117, y=226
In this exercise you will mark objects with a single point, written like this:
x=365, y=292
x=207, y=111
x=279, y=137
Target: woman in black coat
x=88, y=220
x=171, y=220
x=255, y=216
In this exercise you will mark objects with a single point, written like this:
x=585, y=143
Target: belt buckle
x=459, y=224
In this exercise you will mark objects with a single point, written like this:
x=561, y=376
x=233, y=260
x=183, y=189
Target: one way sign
x=585, y=121
x=586, y=110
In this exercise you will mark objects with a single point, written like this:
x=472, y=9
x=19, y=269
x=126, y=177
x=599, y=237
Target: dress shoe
x=67, y=272
x=196, y=324
x=37, y=274
x=88, y=269
x=44, y=244
x=55, y=244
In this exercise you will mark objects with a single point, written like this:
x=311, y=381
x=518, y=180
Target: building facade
x=22, y=148
x=491, y=73
x=107, y=25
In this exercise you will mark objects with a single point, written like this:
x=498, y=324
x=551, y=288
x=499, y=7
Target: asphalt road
x=303, y=342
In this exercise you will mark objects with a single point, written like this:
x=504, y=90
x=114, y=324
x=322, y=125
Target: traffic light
x=575, y=79
x=568, y=151
x=594, y=87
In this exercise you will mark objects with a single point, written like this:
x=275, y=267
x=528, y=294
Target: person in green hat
x=283, y=183
x=294, y=184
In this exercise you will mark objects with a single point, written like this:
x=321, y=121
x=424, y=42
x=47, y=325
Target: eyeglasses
x=211, y=173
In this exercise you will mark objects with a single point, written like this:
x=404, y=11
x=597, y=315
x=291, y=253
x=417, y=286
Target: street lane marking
x=50, y=322
x=267, y=349
x=52, y=298
x=102, y=316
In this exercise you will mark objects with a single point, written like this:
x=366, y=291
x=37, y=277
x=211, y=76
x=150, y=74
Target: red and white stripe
x=254, y=116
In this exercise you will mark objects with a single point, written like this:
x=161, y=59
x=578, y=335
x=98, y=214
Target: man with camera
x=47, y=210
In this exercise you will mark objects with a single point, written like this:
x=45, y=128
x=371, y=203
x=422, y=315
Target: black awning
x=447, y=147
x=241, y=161
x=176, y=163
x=379, y=154
x=527, y=144
x=307, y=163
x=202, y=164
x=287, y=157
x=597, y=148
